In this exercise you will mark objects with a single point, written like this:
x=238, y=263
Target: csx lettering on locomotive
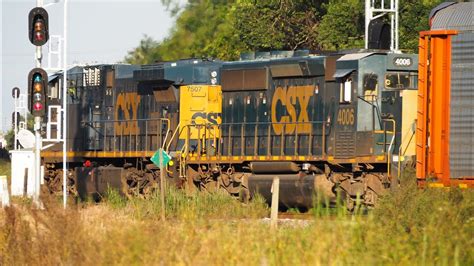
x=289, y=97
x=126, y=113
x=203, y=118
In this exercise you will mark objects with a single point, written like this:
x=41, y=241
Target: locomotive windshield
x=401, y=80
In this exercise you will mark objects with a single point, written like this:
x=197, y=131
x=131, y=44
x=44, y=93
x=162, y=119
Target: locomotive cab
x=377, y=91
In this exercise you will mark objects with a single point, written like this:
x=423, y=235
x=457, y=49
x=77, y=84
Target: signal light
x=37, y=97
x=37, y=106
x=38, y=26
x=37, y=84
x=37, y=87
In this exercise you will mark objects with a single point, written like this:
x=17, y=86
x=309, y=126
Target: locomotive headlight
x=214, y=81
x=214, y=74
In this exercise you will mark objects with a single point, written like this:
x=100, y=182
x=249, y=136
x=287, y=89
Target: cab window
x=401, y=80
x=346, y=91
x=370, y=87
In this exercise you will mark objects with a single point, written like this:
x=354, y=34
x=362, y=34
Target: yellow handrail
x=389, y=152
x=400, y=155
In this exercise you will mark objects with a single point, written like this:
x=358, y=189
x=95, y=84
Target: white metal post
x=64, y=127
x=37, y=129
x=396, y=27
x=37, y=171
x=275, y=200
x=368, y=18
x=376, y=9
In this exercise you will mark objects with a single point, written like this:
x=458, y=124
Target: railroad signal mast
x=38, y=33
x=377, y=13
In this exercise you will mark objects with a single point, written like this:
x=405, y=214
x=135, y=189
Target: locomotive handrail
x=167, y=131
x=374, y=103
x=173, y=136
x=119, y=137
x=123, y=120
x=392, y=142
x=207, y=132
x=402, y=154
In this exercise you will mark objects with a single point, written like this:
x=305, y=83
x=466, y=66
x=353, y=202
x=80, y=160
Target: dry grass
x=412, y=226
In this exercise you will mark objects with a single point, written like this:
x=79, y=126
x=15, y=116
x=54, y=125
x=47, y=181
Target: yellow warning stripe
x=196, y=158
x=192, y=158
x=97, y=154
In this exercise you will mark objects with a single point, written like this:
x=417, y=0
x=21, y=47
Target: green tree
x=10, y=136
x=203, y=29
x=413, y=19
x=145, y=53
x=284, y=24
x=342, y=26
x=225, y=28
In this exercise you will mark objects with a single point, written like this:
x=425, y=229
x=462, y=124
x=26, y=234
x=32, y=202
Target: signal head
x=37, y=84
x=38, y=26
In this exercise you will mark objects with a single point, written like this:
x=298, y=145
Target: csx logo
x=126, y=110
x=289, y=98
x=203, y=118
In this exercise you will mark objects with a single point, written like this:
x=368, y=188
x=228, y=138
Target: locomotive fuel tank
x=298, y=188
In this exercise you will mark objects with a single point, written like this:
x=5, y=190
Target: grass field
x=411, y=226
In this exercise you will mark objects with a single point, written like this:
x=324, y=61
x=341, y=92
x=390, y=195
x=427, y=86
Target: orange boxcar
x=445, y=118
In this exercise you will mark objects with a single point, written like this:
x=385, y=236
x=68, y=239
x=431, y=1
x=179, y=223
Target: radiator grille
x=345, y=145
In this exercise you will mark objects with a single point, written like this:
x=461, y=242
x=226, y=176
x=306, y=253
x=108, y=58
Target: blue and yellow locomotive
x=321, y=123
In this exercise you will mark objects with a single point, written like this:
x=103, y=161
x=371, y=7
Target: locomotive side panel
x=276, y=115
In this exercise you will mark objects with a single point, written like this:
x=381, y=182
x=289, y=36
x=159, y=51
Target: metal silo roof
x=454, y=17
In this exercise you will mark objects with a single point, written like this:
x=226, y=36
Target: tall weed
x=410, y=227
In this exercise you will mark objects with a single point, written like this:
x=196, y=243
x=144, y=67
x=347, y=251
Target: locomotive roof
x=265, y=61
x=187, y=71
x=453, y=16
x=298, y=65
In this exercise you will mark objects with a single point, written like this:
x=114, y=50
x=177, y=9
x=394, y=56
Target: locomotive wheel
x=139, y=184
x=209, y=186
x=54, y=183
x=244, y=195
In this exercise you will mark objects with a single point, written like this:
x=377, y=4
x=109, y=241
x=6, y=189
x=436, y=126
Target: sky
x=99, y=31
